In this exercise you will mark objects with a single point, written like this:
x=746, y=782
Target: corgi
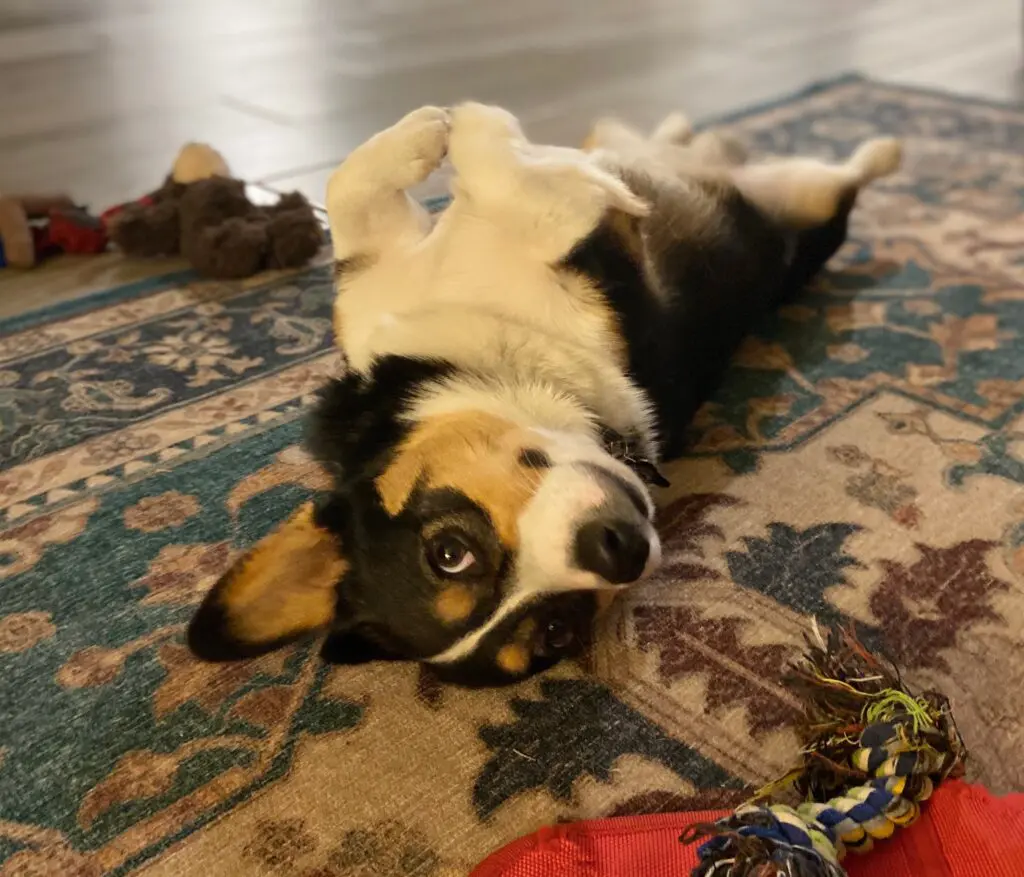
x=516, y=372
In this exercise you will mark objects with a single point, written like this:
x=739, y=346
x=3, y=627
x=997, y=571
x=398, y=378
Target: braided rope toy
x=872, y=755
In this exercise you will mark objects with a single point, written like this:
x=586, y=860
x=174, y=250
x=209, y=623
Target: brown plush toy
x=205, y=215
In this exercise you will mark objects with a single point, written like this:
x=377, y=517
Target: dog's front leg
x=546, y=198
x=367, y=204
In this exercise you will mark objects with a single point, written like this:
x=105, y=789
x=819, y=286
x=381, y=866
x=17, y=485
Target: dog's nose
x=616, y=550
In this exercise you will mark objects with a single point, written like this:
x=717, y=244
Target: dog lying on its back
x=516, y=373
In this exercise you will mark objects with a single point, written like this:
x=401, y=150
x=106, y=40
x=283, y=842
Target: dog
x=516, y=372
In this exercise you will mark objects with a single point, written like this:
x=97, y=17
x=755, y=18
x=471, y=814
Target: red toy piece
x=75, y=230
x=108, y=215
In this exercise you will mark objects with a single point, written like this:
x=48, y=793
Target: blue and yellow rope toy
x=873, y=753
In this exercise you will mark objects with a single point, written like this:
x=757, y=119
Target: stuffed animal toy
x=204, y=214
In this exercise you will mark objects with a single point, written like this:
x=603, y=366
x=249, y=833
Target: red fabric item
x=107, y=215
x=75, y=230
x=963, y=832
x=41, y=237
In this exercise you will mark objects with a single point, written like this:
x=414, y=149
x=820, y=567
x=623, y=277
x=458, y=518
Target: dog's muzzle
x=617, y=542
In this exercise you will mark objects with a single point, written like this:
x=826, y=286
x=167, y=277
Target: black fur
x=576, y=611
x=208, y=638
x=383, y=609
x=354, y=430
x=388, y=591
x=816, y=246
x=718, y=288
x=384, y=599
x=356, y=424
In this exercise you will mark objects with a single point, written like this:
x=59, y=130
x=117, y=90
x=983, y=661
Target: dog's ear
x=283, y=588
x=350, y=645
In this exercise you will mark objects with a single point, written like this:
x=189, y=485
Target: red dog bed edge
x=963, y=832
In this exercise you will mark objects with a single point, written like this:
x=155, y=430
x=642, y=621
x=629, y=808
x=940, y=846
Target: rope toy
x=872, y=754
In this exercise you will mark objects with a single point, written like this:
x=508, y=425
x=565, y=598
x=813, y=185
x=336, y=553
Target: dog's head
x=460, y=538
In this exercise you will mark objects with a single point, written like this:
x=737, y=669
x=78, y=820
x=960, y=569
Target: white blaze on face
x=570, y=493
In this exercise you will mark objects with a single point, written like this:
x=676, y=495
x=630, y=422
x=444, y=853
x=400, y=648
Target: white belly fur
x=469, y=294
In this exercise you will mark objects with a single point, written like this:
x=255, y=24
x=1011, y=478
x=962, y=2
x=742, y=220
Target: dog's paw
x=877, y=158
x=475, y=121
x=674, y=128
x=395, y=159
x=410, y=150
x=418, y=142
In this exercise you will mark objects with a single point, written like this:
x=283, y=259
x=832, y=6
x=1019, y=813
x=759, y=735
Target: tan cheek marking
x=514, y=659
x=286, y=584
x=501, y=490
x=526, y=629
x=454, y=604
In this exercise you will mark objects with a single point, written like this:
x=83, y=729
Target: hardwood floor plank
x=97, y=97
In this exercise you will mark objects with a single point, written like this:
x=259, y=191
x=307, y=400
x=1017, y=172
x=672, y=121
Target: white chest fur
x=471, y=295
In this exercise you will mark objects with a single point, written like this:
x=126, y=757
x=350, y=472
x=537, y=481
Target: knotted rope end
x=872, y=753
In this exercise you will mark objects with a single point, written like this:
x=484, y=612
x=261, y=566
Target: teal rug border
x=150, y=285
x=93, y=300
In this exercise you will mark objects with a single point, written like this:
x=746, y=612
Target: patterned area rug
x=865, y=460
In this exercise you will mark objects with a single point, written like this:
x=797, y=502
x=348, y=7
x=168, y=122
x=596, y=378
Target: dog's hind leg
x=803, y=193
x=717, y=149
x=672, y=147
x=610, y=133
x=368, y=208
x=674, y=128
x=545, y=199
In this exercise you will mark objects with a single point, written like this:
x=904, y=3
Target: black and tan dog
x=516, y=372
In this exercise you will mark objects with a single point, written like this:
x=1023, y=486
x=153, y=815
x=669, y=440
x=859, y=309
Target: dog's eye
x=450, y=555
x=558, y=635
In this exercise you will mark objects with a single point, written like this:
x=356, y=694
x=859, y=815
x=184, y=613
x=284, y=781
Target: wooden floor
x=96, y=96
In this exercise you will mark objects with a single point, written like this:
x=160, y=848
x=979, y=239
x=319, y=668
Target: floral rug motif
x=864, y=462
